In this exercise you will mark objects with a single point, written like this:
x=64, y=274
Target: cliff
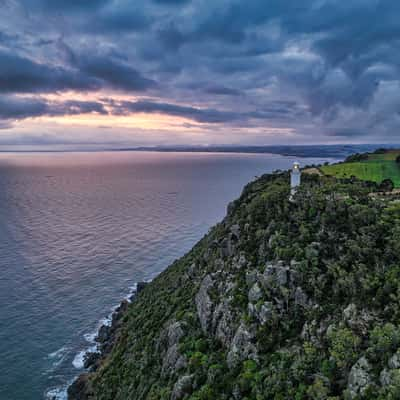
x=281, y=300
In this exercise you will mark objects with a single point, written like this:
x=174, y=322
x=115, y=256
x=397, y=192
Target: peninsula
x=284, y=299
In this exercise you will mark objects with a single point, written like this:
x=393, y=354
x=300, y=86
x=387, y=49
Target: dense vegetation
x=376, y=167
x=282, y=300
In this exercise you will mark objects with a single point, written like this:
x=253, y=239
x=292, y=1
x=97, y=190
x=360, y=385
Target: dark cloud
x=222, y=90
x=171, y=37
x=118, y=21
x=21, y=74
x=110, y=67
x=20, y=108
x=313, y=65
x=197, y=114
x=63, y=6
x=114, y=72
x=207, y=115
x=171, y=2
x=17, y=108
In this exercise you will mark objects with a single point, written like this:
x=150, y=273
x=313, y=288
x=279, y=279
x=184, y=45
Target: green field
x=376, y=168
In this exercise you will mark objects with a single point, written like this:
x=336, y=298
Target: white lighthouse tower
x=295, y=179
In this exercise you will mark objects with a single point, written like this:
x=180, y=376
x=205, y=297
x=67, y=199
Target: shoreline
x=100, y=343
x=105, y=340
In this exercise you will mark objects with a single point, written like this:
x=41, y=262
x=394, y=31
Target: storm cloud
x=328, y=67
x=18, y=108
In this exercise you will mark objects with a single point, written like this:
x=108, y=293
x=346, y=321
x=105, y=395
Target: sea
x=79, y=230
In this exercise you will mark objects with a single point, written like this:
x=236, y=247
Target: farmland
x=375, y=167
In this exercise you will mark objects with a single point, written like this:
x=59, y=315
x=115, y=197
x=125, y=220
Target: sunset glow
x=189, y=72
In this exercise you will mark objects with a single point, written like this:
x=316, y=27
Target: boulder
x=350, y=312
x=385, y=377
x=192, y=270
x=173, y=361
x=235, y=230
x=140, y=286
x=104, y=334
x=175, y=333
x=242, y=262
x=182, y=387
x=79, y=388
x=255, y=293
x=242, y=346
x=223, y=321
x=300, y=298
x=227, y=247
x=275, y=276
x=359, y=378
x=262, y=313
x=91, y=359
x=252, y=310
x=204, y=304
x=168, y=344
x=265, y=313
x=394, y=361
x=251, y=277
x=358, y=320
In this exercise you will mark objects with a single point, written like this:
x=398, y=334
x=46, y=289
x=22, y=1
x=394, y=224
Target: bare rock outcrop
x=242, y=346
x=359, y=378
x=182, y=387
x=204, y=304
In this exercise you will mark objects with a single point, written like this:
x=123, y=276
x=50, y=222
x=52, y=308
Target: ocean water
x=78, y=230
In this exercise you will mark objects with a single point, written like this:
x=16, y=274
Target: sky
x=167, y=72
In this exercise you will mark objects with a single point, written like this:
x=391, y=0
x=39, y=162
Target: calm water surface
x=77, y=230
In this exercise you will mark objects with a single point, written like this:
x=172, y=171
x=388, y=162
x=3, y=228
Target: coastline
x=100, y=341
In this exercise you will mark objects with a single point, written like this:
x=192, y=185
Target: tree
x=386, y=185
x=398, y=159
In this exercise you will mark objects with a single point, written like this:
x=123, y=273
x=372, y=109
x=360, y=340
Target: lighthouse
x=295, y=179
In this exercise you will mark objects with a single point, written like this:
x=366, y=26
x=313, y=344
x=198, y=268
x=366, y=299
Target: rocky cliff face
x=281, y=300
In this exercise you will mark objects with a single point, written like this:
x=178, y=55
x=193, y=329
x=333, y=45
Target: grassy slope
x=376, y=168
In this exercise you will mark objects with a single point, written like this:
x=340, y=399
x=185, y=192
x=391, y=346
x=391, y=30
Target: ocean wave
x=59, y=393
x=79, y=359
x=57, y=357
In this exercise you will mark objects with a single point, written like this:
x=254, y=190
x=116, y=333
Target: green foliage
x=343, y=247
x=319, y=390
x=344, y=346
x=384, y=340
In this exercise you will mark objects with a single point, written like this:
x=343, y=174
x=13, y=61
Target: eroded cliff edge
x=281, y=300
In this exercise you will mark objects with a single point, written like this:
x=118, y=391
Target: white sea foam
x=58, y=393
x=79, y=360
x=58, y=353
x=90, y=337
x=57, y=357
x=132, y=291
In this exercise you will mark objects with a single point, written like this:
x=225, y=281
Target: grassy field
x=376, y=168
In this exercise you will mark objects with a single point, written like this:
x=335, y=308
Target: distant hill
x=338, y=151
x=375, y=167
